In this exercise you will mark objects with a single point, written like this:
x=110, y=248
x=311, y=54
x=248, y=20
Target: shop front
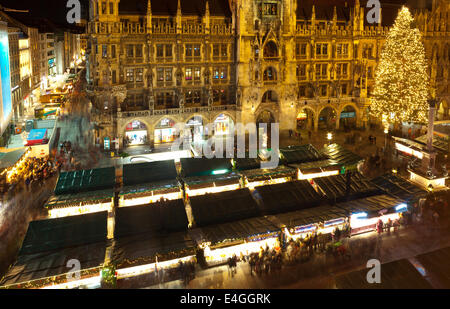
x=223, y=125
x=149, y=193
x=219, y=253
x=136, y=133
x=165, y=131
x=195, y=125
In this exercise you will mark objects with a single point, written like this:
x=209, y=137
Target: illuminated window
x=196, y=50
x=188, y=50
x=216, y=73
x=130, y=75
x=188, y=74
x=223, y=73
x=168, y=75
x=160, y=74
x=139, y=75
x=197, y=74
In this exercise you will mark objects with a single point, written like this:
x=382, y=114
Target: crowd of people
x=32, y=172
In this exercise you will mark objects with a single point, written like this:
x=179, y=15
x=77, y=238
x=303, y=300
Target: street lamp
x=386, y=131
x=329, y=137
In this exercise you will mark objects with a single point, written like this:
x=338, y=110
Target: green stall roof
x=264, y=174
x=144, y=189
x=86, y=180
x=335, y=187
x=204, y=166
x=139, y=173
x=155, y=218
x=223, y=207
x=340, y=155
x=300, y=154
x=238, y=230
x=50, y=234
x=200, y=182
x=288, y=196
x=141, y=249
x=399, y=187
x=74, y=199
x=9, y=159
x=310, y=216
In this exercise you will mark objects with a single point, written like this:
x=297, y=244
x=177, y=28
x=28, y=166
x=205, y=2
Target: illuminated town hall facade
x=302, y=63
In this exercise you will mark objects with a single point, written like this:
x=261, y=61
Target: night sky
x=54, y=10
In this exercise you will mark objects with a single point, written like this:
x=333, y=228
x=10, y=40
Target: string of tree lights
x=402, y=84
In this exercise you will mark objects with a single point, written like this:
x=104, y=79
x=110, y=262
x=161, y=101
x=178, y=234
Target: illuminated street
x=224, y=144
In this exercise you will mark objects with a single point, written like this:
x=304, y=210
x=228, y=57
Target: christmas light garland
x=401, y=79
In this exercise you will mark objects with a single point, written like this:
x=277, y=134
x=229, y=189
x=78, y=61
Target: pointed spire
x=207, y=8
x=334, y=14
x=178, y=17
x=314, y=11
x=149, y=16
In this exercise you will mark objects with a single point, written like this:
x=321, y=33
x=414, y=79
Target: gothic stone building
x=302, y=63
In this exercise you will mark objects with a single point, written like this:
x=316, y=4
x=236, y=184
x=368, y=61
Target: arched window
x=270, y=74
x=270, y=97
x=270, y=50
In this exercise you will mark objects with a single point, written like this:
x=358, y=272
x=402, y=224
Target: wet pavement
x=321, y=270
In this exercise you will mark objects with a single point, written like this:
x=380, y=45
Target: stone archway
x=305, y=118
x=443, y=111
x=270, y=50
x=136, y=133
x=348, y=117
x=266, y=117
x=165, y=130
x=327, y=118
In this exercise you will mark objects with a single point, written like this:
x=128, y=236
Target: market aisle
x=320, y=271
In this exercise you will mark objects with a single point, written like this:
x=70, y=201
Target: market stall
x=288, y=196
x=223, y=207
x=151, y=238
x=322, y=219
x=365, y=213
x=144, y=194
x=245, y=236
x=211, y=184
x=346, y=187
x=400, y=187
x=301, y=154
x=339, y=155
x=193, y=167
x=12, y=162
x=80, y=203
x=49, y=247
x=86, y=180
x=260, y=177
x=145, y=183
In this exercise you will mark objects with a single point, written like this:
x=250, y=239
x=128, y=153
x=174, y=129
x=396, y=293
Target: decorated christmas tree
x=401, y=78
